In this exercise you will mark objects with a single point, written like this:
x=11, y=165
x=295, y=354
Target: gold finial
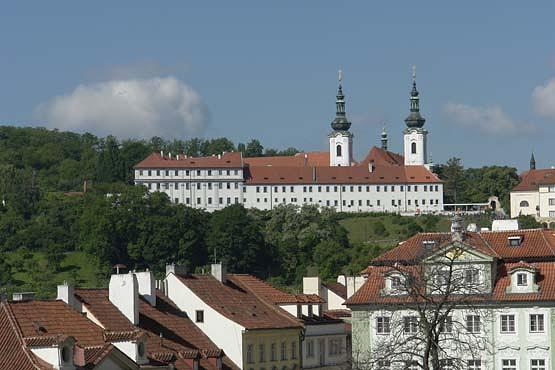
x=413, y=73
x=340, y=75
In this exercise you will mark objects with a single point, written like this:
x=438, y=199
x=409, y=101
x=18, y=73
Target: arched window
x=338, y=150
x=413, y=148
x=524, y=203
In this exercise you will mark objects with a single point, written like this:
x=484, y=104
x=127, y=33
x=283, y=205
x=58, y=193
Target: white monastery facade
x=383, y=181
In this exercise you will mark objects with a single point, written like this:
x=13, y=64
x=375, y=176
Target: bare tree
x=433, y=313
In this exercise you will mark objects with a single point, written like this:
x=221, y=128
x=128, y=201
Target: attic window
x=428, y=244
x=412, y=177
x=522, y=279
x=397, y=177
x=300, y=177
x=350, y=177
x=427, y=177
x=265, y=178
x=282, y=178
x=227, y=161
x=381, y=177
x=333, y=177
x=515, y=241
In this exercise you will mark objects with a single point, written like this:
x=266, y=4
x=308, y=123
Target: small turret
x=384, y=138
x=532, y=162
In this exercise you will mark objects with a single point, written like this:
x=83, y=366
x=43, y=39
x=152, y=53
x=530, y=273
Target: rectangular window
x=209, y=200
x=327, y=189
x=537, y=364
x=273, y=352
x=187, y=173
x=392, y=188
x=228, y=185
x=351, y=189
x=474, y=365
x=507, y=323
x=447, y=325
x=283, y=351
x=284, y=189
x=410, y=324
x=304, y=189
x=360, y=189
x=384, y=365
x=228, y=200
x=552, y=201
x=425, y=187
x=293, y=350
x=378, y=188
x=415, y=187
x=310, y=189
x=393, y=202
x=343, y=189
x=291, y=189
x=221, y=200
x=261, y=353
x=335, y=189
x=265, y=189
x=471, y=276
x=310, y=348
x=508, y=364
x=250, y=354
x=198, y=185
x=209, y=173
x=319, y=189
x=199, y=316
x=198, y=200
x=368, y=202
x=378, y=202
x=383, y=325
x=367, y=188
x=401, y=188
x=408, y=187
x=258, y=189
x=552, y=214
x=157, y=172
x=198, y=172
x=385, y=188
x=536, y=323
x=446, y=364
x=149, y=173
x=473, y=323
x=334, y=347
x=521, y=279
x=360, y=202
x=436, y=188
x=188, y=200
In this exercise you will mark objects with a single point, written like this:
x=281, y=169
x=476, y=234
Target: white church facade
x=382, y=182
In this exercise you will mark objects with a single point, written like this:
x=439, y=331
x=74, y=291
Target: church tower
x=416, y=151
x=341, y=139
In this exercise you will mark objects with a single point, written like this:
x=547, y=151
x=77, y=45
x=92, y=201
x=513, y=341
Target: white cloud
x=543, y=98
x=490, y=119
x=139, y=108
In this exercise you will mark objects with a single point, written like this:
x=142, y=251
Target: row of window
x=273, y=352
x=351, y=203
x=334, y=347
x=472, y=323
x=187, y=186
x=210, y=200
x=168, y=173
x=449, y=364
x=352, y=189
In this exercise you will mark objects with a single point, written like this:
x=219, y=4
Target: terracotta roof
x=530, y=180
x=359, y=174
x=171, y=336
x=370, y=292
x=310, y=159
x=337, y=288
x=14, y=354
x=535, y=244
x=226, y=160
x=238, y=304
x=271, y=294
x=45, y=319
x=339, y=313
x=523, y=265
x=383, y=157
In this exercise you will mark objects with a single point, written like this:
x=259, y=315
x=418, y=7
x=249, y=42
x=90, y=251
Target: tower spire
x=414, y=120
x=532, y=162
x=384, y=138
x=340, y=123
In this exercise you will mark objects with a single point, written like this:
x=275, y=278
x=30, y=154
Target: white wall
x=533, y=199
x=417, y=136
x=346, y=143
x=225, y=333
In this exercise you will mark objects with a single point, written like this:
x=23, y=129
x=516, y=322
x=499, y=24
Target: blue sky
x=267, y=70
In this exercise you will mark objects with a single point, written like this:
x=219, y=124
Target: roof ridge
x=547, y=242
x=488, y=245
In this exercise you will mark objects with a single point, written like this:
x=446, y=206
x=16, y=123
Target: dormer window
x=522, y=279
x=395, y=282
x=515, y=241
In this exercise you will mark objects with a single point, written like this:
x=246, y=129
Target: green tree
x=254, y=149
x=453, y=176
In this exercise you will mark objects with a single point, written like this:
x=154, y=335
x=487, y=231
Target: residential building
x=326, y=340
x=383, y=181
x=334, y=294
x=535, y=194
x=36, y=334
x=131, y=304
x=511, y=312
x=253, y=333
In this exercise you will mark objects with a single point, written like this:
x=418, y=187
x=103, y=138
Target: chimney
x=177, y=156
x=23, y=296
x=162, y=153
x=147, y=286
x=218, y=271
x=219, y=156
x=176, y=269
x=312, y=285
x=313, y=174
x=457, y=228
x=66, y=294
x=170, y=155
x=123, y=292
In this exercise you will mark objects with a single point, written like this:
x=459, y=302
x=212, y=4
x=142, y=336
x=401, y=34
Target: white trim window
x=507, y=324
x=522, y=279
x=537, y=364
x=310, y=348
x=473, y=323
x=446, y=326
x=384, y=365
x=446, y=364
x=508, y=364
x=474, y=365
x=537, y=324
x=383, y=325
x=410, y=324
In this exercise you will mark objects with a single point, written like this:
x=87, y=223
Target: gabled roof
x=171, y=336
x=14, y=354
x=274, y=295
x=337, y=288
x=530, y=180
x=234, y=301
x=226, y=160
x=383, y=157
x=536, y=243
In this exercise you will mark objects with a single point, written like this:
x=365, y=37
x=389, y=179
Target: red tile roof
x=171, y=336
x=238, y=304
x=274, y=295
x=382, y=157
x=536, y=243
x=530, y=180
x=14, y=355
x=45, y=319
x=308, y=159
x=337, y=288
x=226, y=160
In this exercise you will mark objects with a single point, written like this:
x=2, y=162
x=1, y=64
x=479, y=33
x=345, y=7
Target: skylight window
x=515, y=241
